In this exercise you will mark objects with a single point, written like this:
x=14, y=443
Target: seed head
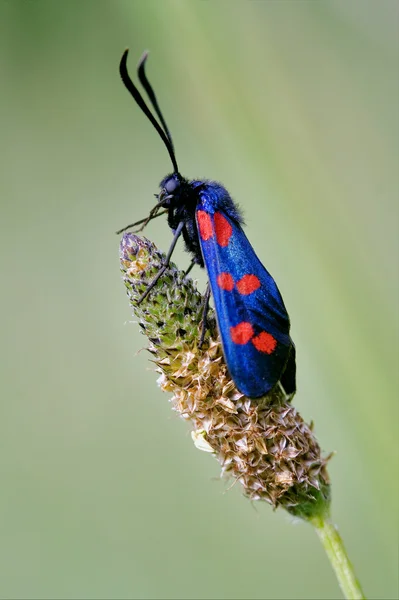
x=264, y=443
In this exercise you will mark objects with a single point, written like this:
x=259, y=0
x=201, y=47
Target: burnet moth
x=252, y=319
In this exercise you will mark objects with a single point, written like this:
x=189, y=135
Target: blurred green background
x=292, y=105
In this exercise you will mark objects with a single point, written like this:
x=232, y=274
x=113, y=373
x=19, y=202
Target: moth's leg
x=165, y=264
x=191, y=265
x=150, y=217
x=205, y=314
x=143, y=222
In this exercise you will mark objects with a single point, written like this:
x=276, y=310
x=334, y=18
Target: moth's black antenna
x=151, y=94
x=165, y=135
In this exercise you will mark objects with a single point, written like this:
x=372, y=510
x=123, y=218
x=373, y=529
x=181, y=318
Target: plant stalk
x=335, y=549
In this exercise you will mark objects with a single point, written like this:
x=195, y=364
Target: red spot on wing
x=241, y=333
x=248, y=284
x=223, y=230
x=205, y=225
x=225, y=281
x=265, y=342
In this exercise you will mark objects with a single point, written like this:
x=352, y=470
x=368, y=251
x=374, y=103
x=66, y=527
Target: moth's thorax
x=182, y=196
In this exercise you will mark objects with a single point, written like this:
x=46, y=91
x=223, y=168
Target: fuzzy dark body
x=181, y=197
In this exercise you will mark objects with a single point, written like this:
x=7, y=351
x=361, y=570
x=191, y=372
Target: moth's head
x=171, y=188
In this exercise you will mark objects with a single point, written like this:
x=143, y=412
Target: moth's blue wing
x=252, y=319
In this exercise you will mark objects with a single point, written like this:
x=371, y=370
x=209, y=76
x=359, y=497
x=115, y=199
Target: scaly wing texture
x=252, y=319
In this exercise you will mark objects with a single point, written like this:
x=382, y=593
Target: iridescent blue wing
x=252, y=319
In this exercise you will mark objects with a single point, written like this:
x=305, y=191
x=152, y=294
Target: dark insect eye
x=171, y=185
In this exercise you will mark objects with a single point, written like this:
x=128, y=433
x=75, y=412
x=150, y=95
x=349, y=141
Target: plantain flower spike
x=264, y=443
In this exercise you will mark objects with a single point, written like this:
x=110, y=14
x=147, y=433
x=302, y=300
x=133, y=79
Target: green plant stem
x=339, y=559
